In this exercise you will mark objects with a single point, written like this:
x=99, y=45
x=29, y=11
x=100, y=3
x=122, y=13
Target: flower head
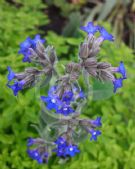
x=61, y=142
x=65, y=110
x=36, y=155
x=17, y=86
x=71, y=150
x=94, y=134
x=51, y=102
x=11, y=74
x=30, y=142
x=63, y=149
x=105, y=35
x=27, y=44
x=89, y=28
x=36, y=40
x=122, y=70
x=96, y=122
x=117, y=83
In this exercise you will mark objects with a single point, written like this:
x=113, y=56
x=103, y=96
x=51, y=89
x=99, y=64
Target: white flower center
x=65, y=109
x=71, y=149
x=53, y=100
x=94, y=133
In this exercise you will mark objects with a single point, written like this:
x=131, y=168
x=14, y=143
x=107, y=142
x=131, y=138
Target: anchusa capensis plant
x=60, y=126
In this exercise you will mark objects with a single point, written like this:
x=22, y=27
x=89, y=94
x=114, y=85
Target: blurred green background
x=58, y=21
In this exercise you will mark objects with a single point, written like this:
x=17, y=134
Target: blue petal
x=117, y=84
x=105, y=35
x=89, y=28
x=11, y=74
x=16, y=87
x=94, y=134
x=122, y=70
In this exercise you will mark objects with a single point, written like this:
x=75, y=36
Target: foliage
x=115, y=148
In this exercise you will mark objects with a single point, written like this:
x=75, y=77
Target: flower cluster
x=34, y=52
x=64, y=149
x=61, y=103
x=60, y=127
x=88, y=51
x=40, y=153
x=27, y=45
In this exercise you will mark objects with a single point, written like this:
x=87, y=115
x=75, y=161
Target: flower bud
x=84, y=51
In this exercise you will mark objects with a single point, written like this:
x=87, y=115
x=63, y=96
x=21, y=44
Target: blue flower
x=60, y=151
x=35, y=155
x=36, y=40
x=11, y=74
x=27, y=44
x=71, y=150
x=89, y=28
x=94, y=134
x=26, y=57
x=105, y=35
x=96, y=122
x=52, y=102
x=63, y=149
x=17, y=86
x=30, y=142
x=117, y=83
x=67, y=97
x=61, y=142
x=65, y=110
x=24, y=46
x=122, y=70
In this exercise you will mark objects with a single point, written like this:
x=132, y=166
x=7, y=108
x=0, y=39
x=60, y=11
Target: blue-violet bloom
x=51, y=102
x=105, y=35
x=94, y=134
x=96, y=122
x=65, y=110
x=121, y=69
x=11, y=74
x=17, y=86
x=27, y=44
x=89, y=28
x=117, y=83
x=71, y=150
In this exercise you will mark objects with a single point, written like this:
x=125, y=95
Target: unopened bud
x=84, y=51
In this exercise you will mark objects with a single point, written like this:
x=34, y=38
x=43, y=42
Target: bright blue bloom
x=11, y=74
x=71, y=150
x=51, y=102
x=94, y=134
x=122, y=70
x=105, y=35
x=38, y=156
x=67, y=97
x=26, y=57
x=36, y=40
x=96, y=122
x=65, y=110
x=89, y=28
x=117, y=83
x=30, y=142
x=61, y=142
x=63, y=149
x=61, y=145
x=60, y=151
x=35, y=155
x=17, y=86
x=27, y=44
